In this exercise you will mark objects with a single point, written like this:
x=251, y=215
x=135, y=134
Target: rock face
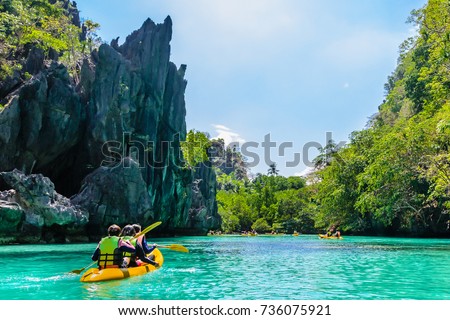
x=11, y=217
x=41, y=122
x=109, y=140
x=115, y=194
x=32, y=209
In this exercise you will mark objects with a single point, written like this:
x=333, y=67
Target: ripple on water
x=301, y=267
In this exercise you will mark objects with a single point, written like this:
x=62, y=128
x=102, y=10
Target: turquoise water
x=234, y=267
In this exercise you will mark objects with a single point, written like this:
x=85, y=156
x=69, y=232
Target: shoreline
x=235, y=235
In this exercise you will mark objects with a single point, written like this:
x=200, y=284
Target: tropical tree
x=195, y=148
x=42, y=24
x=273, y=171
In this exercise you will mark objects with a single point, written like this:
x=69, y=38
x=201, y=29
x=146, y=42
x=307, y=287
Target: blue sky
x=294, y=69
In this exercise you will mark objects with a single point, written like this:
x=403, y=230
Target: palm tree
x=273, y=171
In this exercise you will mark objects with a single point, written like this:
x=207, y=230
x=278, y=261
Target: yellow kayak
x=324, y=236
x=95, y=275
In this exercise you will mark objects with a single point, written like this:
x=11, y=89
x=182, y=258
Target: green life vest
x=110, y=256
x=133, y=242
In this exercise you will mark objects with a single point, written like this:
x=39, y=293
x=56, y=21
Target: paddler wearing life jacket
x=333, y=231
x=138, y=257
x=142, y=241
x=110, y=249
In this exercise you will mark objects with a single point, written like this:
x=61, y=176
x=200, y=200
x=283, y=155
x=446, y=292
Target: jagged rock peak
x=149, y=34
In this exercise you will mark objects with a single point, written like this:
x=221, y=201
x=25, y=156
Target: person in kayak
x=333, y=232
x=138, y=257
x=142, y=241
x=110, y=249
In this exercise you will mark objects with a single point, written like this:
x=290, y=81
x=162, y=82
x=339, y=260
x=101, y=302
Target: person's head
x=128, y=230
x=137, y=227
x=113, y=230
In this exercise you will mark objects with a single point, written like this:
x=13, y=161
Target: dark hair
x=128, y=230
x=137, y=227
x=113, y=230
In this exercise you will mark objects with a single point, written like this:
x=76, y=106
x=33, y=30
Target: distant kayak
x=96, y=275
x=324, y=236
x=295, y=234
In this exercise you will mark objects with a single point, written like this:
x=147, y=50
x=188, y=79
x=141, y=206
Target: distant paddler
x=333, y=231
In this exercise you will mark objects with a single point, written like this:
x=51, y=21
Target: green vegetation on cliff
x=194, y=148
x=46, y=25
x=394, y=176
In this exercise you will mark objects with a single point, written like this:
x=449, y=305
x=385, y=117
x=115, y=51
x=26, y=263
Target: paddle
x=150, y=227
x=174, y=247
x=78, y=271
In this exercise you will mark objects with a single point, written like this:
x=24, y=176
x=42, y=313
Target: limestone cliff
x=108, y=138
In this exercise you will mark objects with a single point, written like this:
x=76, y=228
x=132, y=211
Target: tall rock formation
x=111, y=139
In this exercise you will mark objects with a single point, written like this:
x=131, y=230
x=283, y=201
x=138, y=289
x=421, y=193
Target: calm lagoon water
x=235, y=267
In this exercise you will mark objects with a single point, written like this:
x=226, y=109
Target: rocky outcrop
x=41, y=122
x=203, y=190
x=11, y=217
x=109, y=138
x=116, y=194
x=32, y=210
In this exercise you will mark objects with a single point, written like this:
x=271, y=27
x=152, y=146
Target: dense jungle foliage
x=391, y=178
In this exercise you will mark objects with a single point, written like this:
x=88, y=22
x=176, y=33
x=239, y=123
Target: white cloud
x=221, y=127
x=227, y=134
x=305, y=172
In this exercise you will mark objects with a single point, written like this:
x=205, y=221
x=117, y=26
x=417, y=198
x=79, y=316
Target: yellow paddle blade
x=175, y=247
x=178, y=247
x=78, y=271
x=150, y=227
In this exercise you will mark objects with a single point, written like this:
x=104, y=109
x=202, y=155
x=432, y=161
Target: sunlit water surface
x=235, y=267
